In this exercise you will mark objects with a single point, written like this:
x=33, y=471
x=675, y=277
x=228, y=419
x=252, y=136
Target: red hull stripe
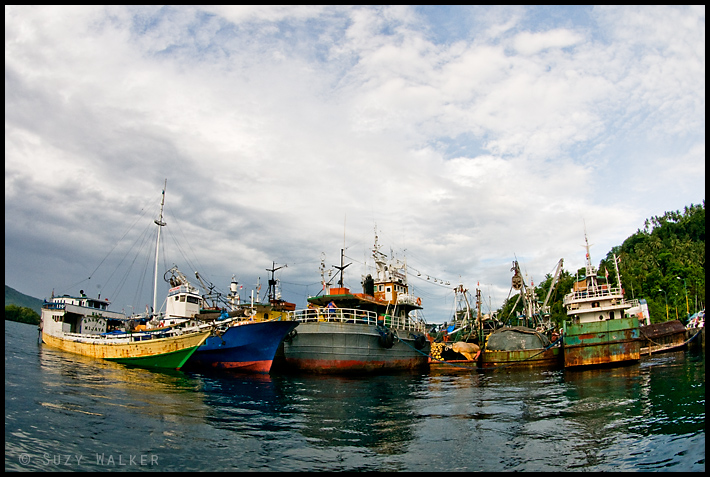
x=251, y=366
x=327, y=365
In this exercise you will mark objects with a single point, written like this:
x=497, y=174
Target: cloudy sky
x=468, y=136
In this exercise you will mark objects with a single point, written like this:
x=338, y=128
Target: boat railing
x=129, y=337
x=597, y=292
x=407, y=299
x=352, y=315
x=633, y=302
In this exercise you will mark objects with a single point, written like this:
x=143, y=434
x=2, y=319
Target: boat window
x=192, y=299
x=182, y=297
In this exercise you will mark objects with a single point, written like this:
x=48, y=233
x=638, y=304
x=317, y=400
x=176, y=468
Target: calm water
x=67, y=412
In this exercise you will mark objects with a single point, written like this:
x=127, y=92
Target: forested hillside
x=664, y=264
x=13, y=297
x=21, y=307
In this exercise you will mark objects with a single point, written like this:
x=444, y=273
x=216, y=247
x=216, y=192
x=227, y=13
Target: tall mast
x=589, y=267
x=478, y=315
x=618, y=275
x=160, y=224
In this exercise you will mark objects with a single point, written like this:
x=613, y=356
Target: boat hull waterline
x=246, y=347
x=549, y=358
x=153, y=353
x=326, y=348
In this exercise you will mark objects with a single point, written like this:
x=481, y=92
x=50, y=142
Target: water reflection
x=84, y=384
x=649, y=416
x=614, y=409
x=373, y=412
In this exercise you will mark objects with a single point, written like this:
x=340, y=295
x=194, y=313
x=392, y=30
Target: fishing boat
x=84, y=325
x=662, y=337
x=656, y=337
x=519, y=346
x=245, y=336
x=529, y=341
x=373, y=331
x=597, y=331
x=455, y=344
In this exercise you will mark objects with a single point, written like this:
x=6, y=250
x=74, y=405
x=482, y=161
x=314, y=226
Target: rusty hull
x=602, y=343
x=528, y=358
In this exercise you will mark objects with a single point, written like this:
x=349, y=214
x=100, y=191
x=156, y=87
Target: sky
x=465, y=137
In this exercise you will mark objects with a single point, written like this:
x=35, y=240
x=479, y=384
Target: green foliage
x=563, y=285
x=663, y=263
x=21, y=314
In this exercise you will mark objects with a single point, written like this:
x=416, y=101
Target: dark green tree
x=21, y=314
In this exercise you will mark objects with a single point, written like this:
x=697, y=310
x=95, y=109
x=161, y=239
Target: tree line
x=21, y=314
x=663, y=263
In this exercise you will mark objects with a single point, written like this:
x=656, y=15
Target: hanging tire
x=419, y=342
x=386, y=339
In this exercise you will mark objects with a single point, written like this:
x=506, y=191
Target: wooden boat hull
x=602, y=343
x=345, y=348
x=661, y=337
x=439, y=367
x=154, y=353
x=532, y=358
x=248, y=347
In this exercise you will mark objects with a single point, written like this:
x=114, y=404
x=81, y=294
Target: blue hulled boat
x=247, y=346
x=244, y=339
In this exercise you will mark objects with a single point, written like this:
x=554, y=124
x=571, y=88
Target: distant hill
x=13, y=297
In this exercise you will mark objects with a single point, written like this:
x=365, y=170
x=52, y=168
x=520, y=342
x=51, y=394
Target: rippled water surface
x=68, y=412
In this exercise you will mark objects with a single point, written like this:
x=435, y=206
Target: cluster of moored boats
x=375, y=330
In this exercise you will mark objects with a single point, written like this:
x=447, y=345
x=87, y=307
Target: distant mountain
x=13, y=297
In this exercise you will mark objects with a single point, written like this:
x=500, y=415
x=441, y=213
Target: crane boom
x=553, y=283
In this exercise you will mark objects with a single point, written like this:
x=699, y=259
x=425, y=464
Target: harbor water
x=65, y=412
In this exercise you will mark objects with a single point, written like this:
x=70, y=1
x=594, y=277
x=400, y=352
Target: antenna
x=341, y=268
x=272, y=281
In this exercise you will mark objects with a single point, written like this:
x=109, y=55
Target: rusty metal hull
x=602, y=343
x=549, y=358
x=347, y=348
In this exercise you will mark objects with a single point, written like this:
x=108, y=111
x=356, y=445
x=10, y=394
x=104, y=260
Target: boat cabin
x=79, y=314
x=183, y=302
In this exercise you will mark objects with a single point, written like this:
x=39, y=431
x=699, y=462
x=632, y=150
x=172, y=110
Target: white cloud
x=529, y=43
x=277, y=125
